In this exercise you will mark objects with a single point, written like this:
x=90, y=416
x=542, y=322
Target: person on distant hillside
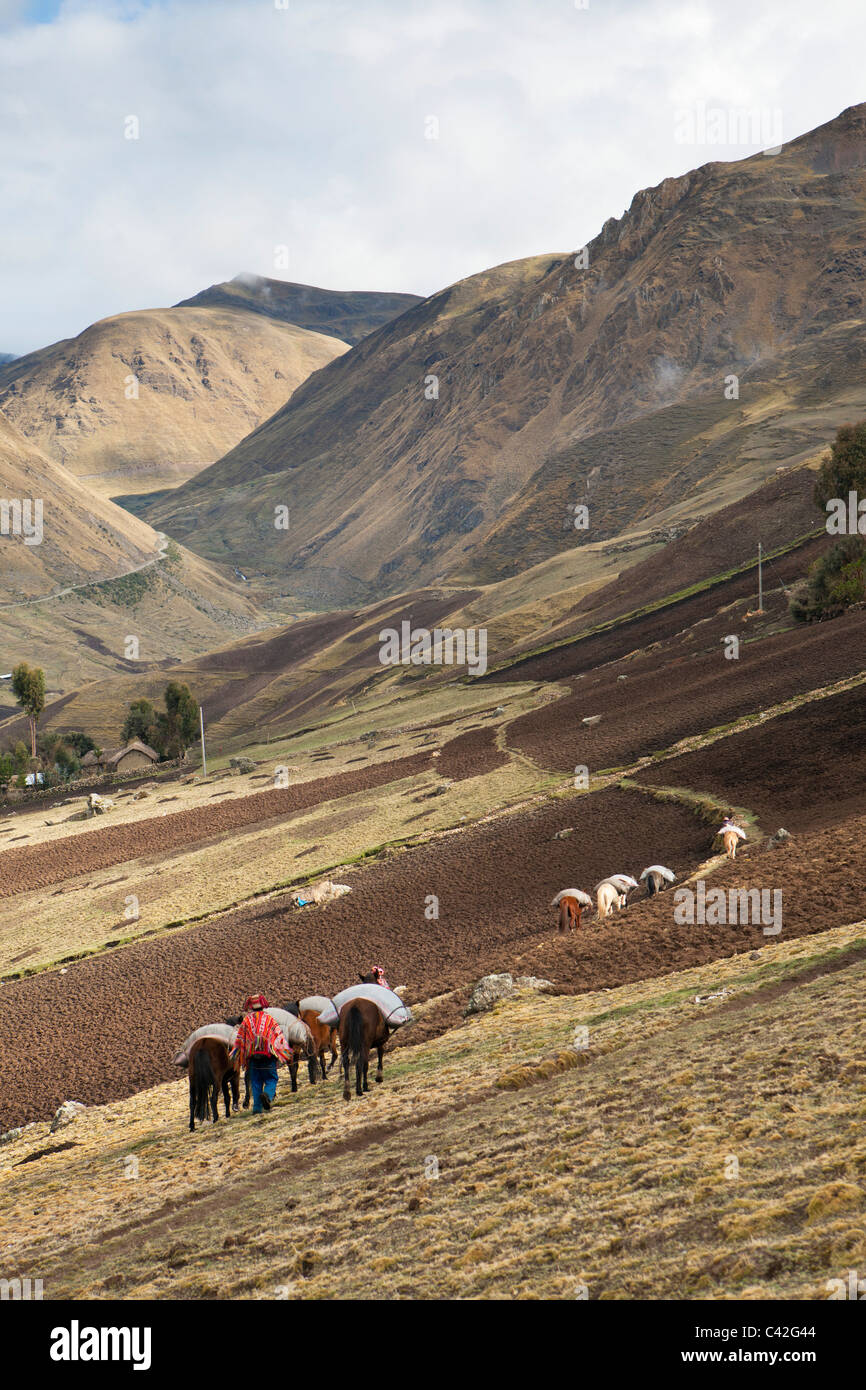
x=731, y=834
x=379, y=977
x=260, y=1044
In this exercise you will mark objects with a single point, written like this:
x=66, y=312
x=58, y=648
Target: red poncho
x=260, y=1036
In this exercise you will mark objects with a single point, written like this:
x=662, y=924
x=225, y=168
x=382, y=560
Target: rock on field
x=488, y=991
x=492, y=988
x=67, y=1112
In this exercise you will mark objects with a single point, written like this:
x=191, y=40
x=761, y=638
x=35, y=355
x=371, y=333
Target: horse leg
x=246, y=1087
x=293, y=1072
x=214, y=1101
x=191, y=1101
x=344, y=1063
x=225, y=1091
x=359, y=1073
x=379, y=1073
x=233, y=1082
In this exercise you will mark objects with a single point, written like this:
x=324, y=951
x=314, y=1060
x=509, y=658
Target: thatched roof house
x=135, y=755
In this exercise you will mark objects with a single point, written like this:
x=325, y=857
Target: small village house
x=131, y=758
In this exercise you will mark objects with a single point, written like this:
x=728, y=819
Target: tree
x=57, y=757
x=22, y=755
x=838, y=577
x=843, y=470
x=28, y=687
x=170, y=731
x=79, y=743
x=141, y=723
x=179, y=724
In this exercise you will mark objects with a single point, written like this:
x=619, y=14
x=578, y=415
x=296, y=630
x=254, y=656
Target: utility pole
x=760, y=581
x=203, y=754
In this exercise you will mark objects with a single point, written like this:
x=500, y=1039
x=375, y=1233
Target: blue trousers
x=263, y=1077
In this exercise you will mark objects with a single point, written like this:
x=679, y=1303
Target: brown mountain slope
x=205, y=378
x=83, y=537
x=668, y=468
x=280, y=679
x=95, y=576
x=752, y=268
x=362, y=458
x=346, y=314
x=300, y=675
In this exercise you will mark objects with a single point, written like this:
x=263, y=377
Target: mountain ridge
x=727, y=271
x=157, y=391
x=345, y=314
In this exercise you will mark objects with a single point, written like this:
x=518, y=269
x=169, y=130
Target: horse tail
x=203, y=1080
x=564, y=915
x=354, y=1044
x=651, y=885
x=312, y=1053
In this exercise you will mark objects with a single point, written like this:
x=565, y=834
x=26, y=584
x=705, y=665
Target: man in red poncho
x=260, y=1044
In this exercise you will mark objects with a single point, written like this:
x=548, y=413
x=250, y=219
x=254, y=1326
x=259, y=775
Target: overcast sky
x=309, y=127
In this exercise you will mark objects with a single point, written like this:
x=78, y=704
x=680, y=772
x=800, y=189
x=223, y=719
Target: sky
x=148, y=150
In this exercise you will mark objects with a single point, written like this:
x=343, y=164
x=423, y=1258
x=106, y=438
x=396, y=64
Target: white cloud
x=261, y=127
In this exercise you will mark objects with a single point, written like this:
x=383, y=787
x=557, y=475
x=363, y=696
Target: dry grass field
x=703, y=1139
x=700, y=1140
x=88, y=913
x=90, y=910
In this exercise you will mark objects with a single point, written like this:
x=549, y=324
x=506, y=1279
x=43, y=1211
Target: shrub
x=838, y=578
x=835, y=581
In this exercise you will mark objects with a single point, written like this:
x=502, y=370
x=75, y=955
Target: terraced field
x=684, y=1149
x=454, y=819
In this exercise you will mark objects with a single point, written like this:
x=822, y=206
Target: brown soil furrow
x=638, y=631
x=493, y=881
x=674, y=693
x=38, y=866
x=471, y=754
x=803, y=770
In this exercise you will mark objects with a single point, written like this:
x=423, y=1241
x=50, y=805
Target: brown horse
x=571, y=903
x=324, y=1039
x=361, y=1028
x=211, y=1069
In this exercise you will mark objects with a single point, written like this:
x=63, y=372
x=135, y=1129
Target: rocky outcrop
x=66, y=1114
x=491, y=988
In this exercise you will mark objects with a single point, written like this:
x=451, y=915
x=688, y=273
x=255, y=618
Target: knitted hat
x=256, y=1001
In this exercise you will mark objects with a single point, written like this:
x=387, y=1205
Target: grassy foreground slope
x=696, y=1147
